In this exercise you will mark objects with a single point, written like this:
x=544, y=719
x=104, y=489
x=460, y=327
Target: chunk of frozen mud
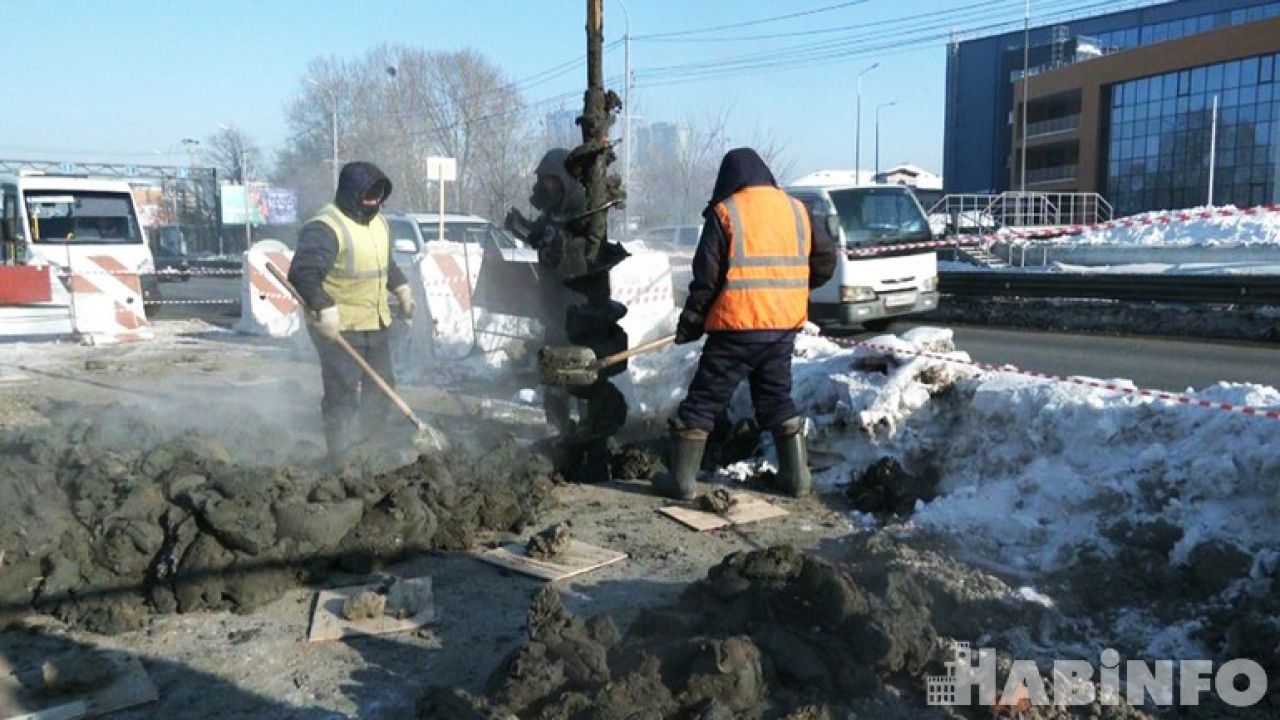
x=886, y=488
x=550, y=543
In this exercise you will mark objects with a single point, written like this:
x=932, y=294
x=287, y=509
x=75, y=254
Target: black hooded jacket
x=743, y=168
x=318, y=246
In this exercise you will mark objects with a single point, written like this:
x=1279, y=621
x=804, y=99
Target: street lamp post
x=880, y=107
x=857, y=151
x=333, y=115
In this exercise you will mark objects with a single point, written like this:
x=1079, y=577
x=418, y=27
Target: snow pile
x=1262, y=228
x=1030, y=471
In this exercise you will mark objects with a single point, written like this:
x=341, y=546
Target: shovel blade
x=566, y=357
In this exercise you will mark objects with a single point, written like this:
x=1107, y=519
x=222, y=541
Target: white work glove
x=405, y=295
x=328, y=323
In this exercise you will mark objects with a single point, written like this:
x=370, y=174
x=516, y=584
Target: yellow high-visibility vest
x=357, y=282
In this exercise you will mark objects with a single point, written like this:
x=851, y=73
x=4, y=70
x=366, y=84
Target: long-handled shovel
x=574, y=365
x=428, y=437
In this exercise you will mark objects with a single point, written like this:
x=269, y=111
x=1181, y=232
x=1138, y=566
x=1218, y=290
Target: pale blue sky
x=117, y=80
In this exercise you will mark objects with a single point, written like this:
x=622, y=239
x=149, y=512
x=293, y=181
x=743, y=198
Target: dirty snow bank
x=1032, y=470
x=1262, y=228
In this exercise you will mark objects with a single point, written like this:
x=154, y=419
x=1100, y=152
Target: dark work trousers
x=350, y=398
x=728, y=359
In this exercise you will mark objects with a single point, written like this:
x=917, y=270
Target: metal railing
x=977, y=214
x=1063, y=124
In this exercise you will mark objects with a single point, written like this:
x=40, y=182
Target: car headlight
x=855, y=293
x=930, y=284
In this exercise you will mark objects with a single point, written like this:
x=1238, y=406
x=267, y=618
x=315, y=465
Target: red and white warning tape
x=1156, y=395
x=62, y=272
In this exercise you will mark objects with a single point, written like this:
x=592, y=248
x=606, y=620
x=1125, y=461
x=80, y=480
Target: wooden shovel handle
x=616, y=358
x=359, y=360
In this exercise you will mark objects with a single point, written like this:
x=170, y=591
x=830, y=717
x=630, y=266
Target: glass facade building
x=1154, y=32
x=980, y=110
x=1159, y=131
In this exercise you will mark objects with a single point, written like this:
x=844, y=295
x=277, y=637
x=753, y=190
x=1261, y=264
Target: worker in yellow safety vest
x=344, y=272
x=759, y=254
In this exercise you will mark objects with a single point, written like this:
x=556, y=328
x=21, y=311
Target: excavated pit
x=101, y=534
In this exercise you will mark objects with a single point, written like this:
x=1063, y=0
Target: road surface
x=1172, y=364
x=1156, y=363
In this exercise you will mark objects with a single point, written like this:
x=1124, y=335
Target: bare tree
x=676, y=169
x=234, y=154
x=396, y=106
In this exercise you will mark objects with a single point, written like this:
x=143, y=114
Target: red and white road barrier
x=106, y=301
x=1154, y=395
x=644, y=283
x=266, y=307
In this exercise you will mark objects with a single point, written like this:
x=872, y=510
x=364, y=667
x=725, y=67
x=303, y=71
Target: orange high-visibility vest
x=767, y=283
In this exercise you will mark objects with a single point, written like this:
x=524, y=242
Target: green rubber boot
x=680, y=482
x=793, y=461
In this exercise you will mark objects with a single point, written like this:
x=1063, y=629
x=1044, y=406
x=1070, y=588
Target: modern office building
x=1122, y=104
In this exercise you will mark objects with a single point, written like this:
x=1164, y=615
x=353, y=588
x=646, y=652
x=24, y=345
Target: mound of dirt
x=886, y=488
x=102, y=534
x=773, y=633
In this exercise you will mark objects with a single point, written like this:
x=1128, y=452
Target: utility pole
x=1213, y=146
x=1026, y=87
x=626, y=118
x=244, y=182
x=880, y=107
x=857, y=152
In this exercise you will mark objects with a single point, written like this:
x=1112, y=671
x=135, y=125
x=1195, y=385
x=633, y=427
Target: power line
x=812, y=31
x=810, y=55
x=749, y=23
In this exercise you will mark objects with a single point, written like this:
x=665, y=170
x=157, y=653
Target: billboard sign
x=265, y=205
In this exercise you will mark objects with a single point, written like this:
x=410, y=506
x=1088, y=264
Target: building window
x=1160, y=126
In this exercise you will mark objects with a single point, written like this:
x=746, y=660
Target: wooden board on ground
x=327, y=622
x=579, y=559
x=748, y=509
x=21, y=697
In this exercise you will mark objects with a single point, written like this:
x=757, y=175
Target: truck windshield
x=102, y=218
x=879, y=216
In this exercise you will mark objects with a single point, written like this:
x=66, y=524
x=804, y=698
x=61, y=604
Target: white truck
x=869, y=290
x=74, y=224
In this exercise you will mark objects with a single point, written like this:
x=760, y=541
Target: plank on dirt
x=22, y=699
x=579, y=559
x=748, y=509
x=327, y=622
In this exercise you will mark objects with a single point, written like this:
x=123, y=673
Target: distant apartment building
x=561, y=129
x=1122, y=104
x=660, y=139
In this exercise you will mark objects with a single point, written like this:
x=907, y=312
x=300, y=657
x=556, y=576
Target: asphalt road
x=1151, y=362
x=1173, y=364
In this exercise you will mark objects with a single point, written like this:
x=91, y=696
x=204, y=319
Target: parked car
x=676, y=239
x=171, y=266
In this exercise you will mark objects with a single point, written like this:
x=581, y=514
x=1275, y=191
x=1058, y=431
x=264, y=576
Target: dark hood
x=356, y=181
x=740, y=168
x=574, y=201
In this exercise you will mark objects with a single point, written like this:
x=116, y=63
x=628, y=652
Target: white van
x=69, y=221
x=870, y=290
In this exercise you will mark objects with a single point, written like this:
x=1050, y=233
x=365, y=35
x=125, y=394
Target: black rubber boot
x=338, y=440
x=793, y=460
x=680, y=482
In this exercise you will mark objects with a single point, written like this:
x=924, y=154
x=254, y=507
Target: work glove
x=516, y=223
x=327, y=322
x=690, y=327
x=405, y=295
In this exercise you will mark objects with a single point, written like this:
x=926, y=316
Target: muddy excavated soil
x=773, y=633
x=101, y=534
